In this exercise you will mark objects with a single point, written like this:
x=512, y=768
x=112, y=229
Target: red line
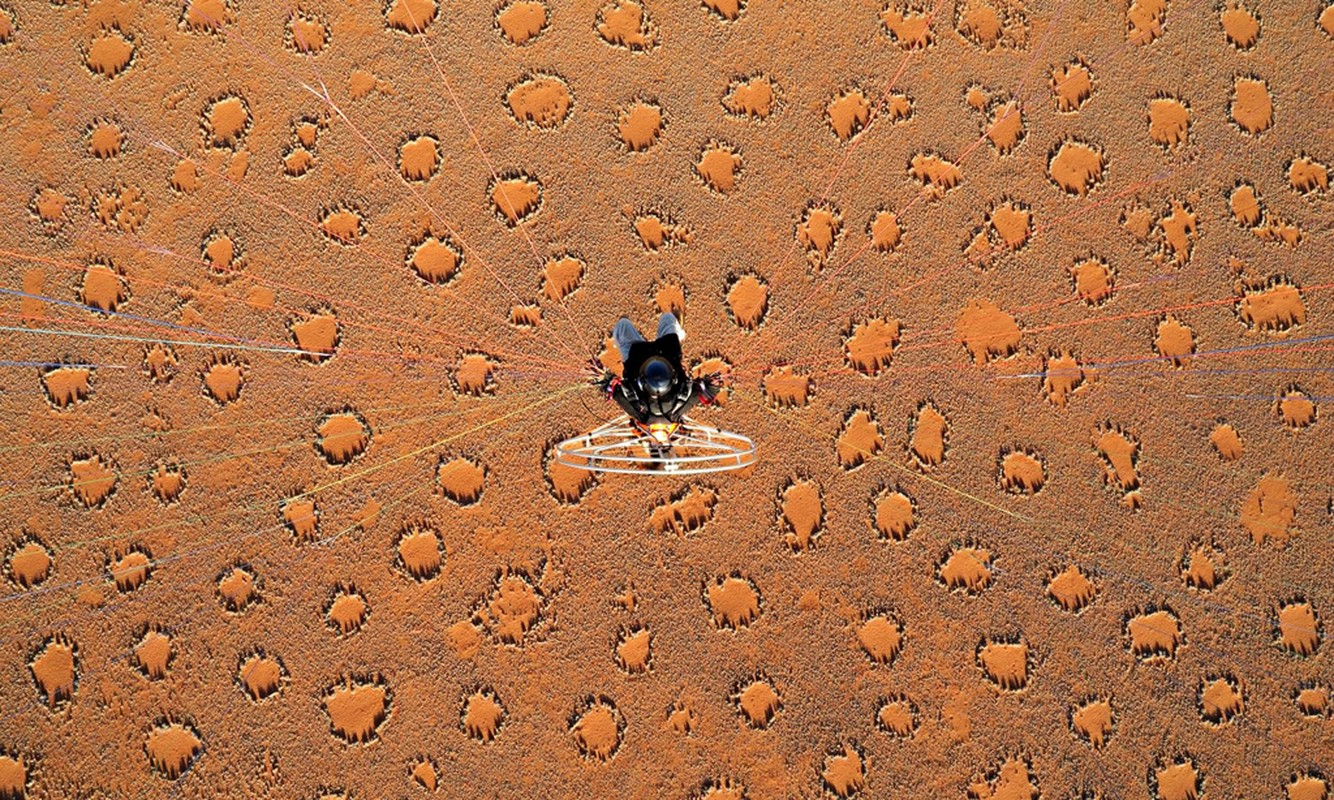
x=495, y=176
x=1116, y=317
x=1066, y=300
x=1089, y=370
x=323, y=95
x=1233, y=299
x=852, y=146
x=1017, y=104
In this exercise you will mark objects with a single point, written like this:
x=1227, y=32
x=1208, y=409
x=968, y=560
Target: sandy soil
x=1024, y=304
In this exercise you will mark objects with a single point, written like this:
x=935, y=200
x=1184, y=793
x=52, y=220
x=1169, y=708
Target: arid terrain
x=1025, y=305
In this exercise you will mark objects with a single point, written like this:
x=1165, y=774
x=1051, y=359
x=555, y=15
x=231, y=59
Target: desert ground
x=1024, y=305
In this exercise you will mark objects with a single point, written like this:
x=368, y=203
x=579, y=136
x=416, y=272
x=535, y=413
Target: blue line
x=1096, y=366
x=1266, y=398
x=150, y=320
x=1259, y=371
x=57, y=364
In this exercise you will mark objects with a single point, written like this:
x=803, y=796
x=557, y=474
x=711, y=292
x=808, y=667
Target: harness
x=670, y=405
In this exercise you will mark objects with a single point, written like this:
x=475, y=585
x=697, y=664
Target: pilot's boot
x=668, y=323
x=625, y=333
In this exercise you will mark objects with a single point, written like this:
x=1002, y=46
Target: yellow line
x=1016, y=515
x=336, y=536
x=962, y=493
x=439, y=442
x=934, y=481
x=228, y=456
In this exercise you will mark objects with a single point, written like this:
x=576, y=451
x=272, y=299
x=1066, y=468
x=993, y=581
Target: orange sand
x=1020, y=301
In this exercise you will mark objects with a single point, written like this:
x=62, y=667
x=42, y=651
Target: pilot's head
x=656, y=377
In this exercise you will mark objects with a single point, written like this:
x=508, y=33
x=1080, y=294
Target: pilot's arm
x=703, y=391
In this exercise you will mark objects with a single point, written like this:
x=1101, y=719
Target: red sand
x=323, y=551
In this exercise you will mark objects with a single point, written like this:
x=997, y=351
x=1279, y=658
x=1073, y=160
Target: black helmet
x=656, y=377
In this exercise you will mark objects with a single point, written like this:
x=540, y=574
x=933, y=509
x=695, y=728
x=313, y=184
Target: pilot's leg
x=667, y=324
x=625, y=333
